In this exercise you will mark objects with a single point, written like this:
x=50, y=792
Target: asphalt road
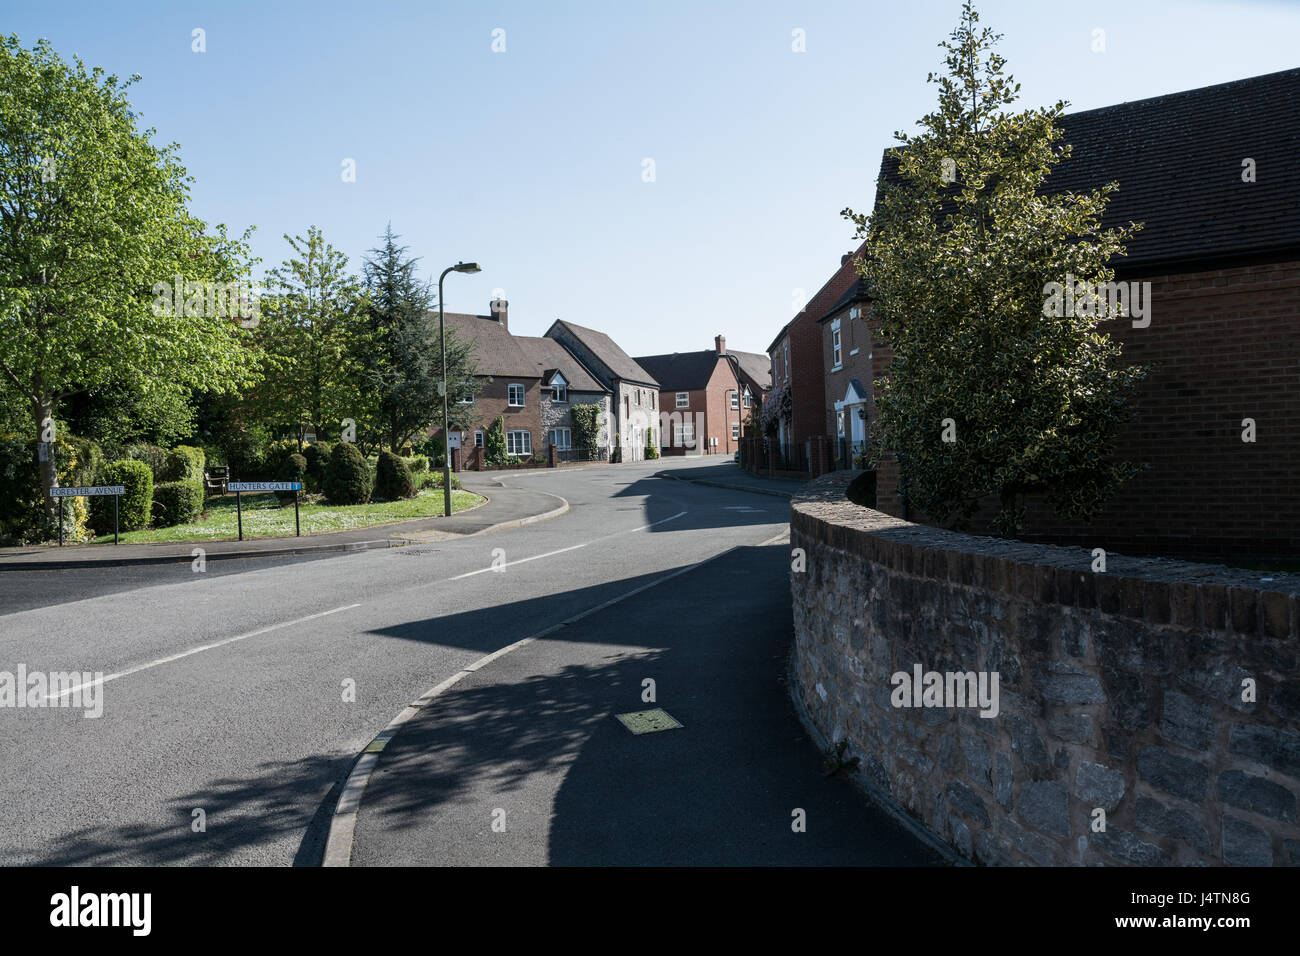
x=225, y=694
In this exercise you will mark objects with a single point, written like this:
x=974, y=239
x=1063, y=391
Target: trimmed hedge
x=183, y=463
x=176, y=502
x=152, y=455
x=347, y=476
x=136, y=506
x=393, y=478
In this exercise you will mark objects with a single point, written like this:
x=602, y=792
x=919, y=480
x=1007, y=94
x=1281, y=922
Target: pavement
x=505, y=507
x=728, y=474
x=523, y=762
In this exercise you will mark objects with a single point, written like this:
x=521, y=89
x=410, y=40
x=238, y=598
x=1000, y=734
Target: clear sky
x=531, y=160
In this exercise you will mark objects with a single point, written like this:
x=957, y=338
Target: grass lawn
x=264, y=518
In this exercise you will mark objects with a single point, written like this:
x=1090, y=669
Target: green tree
x=402, y=363
x=93, y=222
x=986, y=395
x=312, y=332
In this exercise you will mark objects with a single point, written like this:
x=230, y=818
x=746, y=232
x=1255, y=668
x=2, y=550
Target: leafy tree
x=960, y=251
x=92, y=218
x=312, y=331
x=403, y=360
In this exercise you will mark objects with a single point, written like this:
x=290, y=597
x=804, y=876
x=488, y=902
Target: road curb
x=343, y=821
x=730, y=485
x=396, y=540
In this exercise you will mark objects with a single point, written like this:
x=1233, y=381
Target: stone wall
x=1126, y=691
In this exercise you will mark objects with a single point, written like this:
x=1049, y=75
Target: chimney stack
x=501, y=311
x=720, y=344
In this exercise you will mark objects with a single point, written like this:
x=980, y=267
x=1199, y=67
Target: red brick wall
x=491, y=403
x=712, y=402
x=1222, y=345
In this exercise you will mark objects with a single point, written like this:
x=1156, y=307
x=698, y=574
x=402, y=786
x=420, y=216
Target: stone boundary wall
x=1120, y=690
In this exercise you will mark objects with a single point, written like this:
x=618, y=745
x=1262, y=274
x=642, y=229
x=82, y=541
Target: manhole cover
x=648, y=721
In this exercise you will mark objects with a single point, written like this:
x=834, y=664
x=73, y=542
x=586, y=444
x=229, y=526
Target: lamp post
x=469, y=268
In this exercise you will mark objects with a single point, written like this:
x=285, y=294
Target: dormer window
x=559, y=389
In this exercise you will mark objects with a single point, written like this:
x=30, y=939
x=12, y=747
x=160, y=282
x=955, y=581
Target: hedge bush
x=183, y=463
x=393, y=478
x=347, y=476
x=243, y=453
x=23, y=519
x=152, y=455
x=418, y=464
x=136, y=505
x=176, y=502
x=276, y=454
x=294, y=468
x=317, y=456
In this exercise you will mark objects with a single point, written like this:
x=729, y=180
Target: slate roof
x=1178, y=161
x=548, y=355
x=606, y=349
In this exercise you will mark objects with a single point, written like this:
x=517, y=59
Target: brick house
x=798, y=366
x=1213, y=174
x=847, y=350
x=705, y=396
x=531, y=383
x=633, y=391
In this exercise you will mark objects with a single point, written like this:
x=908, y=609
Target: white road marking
x=206, y=647
x=550, y=554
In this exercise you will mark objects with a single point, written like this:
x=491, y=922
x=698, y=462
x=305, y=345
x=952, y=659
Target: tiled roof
x=548, y=355
x=681, y=371
x=756, y=366
x=607, y=350
x=496, y=351
x=1178, y=161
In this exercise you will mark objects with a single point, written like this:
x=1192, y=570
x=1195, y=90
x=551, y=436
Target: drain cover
x=648, y=721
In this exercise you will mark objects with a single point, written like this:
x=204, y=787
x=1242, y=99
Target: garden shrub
x=243, y=453
x=317, y=456
x=23, y=519
x=418, y=464
x=136, y=505
x=152, y=455
x=294, y=468
x=651, y=452
x=494, y=445
x=183, y=463
x=175, y=502
x=347, y=476
x=276, y=454
x=393, y=478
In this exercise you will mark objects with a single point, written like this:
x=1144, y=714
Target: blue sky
x=531, y=160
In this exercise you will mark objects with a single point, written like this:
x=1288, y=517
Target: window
x=735, y=400
x=519, y=443
x=683, y=399
x=836, y=349
x=560, y=393
x=735, y=431
x=839, y=423
x=478, y=439
x=652, y=399
x=749, y=398
x=562, y=438
x=686, y=434
x=638, y=396
x=466, y=399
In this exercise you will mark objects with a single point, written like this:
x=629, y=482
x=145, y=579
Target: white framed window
x=837, y=351
x=519, y=442
x=516, y=393
x=562, y=438
x=686, y=434
x=749, y=398
x=735, y=400
x=478, y=439
x=683, y=399
x=638, y=397
x=839, y=423
x=735, y=431
x=560, y=393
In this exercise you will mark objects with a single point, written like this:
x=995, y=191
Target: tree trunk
x=43, y=410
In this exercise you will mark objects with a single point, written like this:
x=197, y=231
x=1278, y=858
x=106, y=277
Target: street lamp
x=469, y=268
